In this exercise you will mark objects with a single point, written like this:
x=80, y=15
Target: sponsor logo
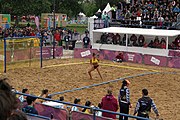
x=155, y=60
x=86, y=53
x=130, y=57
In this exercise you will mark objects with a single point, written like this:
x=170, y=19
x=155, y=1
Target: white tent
x=107, y=8
x=94, y=16
x=99, y=10
x=81, y=14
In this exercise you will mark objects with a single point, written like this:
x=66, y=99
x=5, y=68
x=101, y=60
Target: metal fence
x=94, y=109
x=98, y=24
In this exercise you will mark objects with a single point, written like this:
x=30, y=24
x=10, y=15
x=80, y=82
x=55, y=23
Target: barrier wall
x=47, y=111
x=36, y=117
x=174, y=53
x=133, y=57
x=155, y=60
x=173, y=61
x=82, y=116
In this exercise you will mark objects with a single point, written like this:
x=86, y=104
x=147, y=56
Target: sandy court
x=163, y=88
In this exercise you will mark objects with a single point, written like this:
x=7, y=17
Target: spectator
x=74, y=108
x=176, y=43
x=22, y=98
x=109, y=102
x=103, y=38
x=118, y=38
x=61, y=104
x=141, y=41
x=57, y=38
x=8, y=101
x=151, y=44
x=163, y=43
x=119, y=57
x=85, y=110
x=54, y=104
x=44, y=94
x=99, y=113
x=30, y=107
x=86, y=41
x=156, y=43
x=110, y=38
x=105, y=18
x=67, y=39
x=124, y=99
x=144, y=104
x=133, y=40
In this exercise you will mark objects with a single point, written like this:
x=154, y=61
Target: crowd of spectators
x=145, y=13
x=158, y=10
x=15, y=108
x=60, y=34
x=140, y=41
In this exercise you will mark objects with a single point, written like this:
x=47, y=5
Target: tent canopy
x=139, y=31
x=99, y=10
x=107, y=8
x=94, y=16
x=81, y=14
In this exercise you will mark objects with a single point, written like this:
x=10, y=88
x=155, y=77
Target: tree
x=25, y=7
x=69, y=7
x=89, y=8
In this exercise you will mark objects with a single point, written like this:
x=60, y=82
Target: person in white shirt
x=54, y=104
x=76, y=101
x=22, y=98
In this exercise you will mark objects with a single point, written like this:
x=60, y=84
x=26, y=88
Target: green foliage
x=69, y=7
x=25, y=7
x=89, y=8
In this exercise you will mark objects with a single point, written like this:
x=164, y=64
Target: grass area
x=79, y=27
x=81, y=30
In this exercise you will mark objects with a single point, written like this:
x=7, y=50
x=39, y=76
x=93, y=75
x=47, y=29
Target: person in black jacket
x=124, y=99
x=144, y=105
x=30, y=107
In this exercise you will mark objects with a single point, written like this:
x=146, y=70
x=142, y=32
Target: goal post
x=20, y=50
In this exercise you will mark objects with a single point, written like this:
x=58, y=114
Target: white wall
x=150, y=51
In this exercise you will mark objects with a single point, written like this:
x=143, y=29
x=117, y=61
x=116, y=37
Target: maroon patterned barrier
x=44, y=110
x=82, y=116
x=83, y=52
x=87, y=53
x=47, y=52
x=174, y=53
x=30, y=117
x=133, y=57
x=174, y=62
x=108, y=54
x=155, y=60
